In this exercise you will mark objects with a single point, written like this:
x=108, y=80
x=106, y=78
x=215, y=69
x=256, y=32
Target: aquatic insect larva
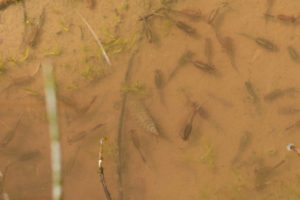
x=204, y=66
x=182, y=61
x=287, y=18
x=158, y=79
x=245, y=142
x=187, y=131
x=185, y=27
x=142, y=116
x=190, y=13
x=278, y=93
x=266, y=44
x=208, y=50
x=250, y=90
x=293, y=53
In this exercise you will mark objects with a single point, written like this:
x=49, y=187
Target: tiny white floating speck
x=290, y=147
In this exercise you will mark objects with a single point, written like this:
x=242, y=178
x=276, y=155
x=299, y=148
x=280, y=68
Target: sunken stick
x=101, y=171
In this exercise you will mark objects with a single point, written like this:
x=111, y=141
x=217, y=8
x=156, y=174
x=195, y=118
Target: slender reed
x=50, y=95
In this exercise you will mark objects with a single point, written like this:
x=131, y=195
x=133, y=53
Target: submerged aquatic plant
x=63, y=26
x=25, y=56
x=209, y=155
x=136, y=88
x=50, y=95
x=55, y=52
x=93, y=74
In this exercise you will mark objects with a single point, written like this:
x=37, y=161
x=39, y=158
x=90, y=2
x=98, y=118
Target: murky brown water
x=216, y=72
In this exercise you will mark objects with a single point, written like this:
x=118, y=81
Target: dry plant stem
x=50, y=95
x=101, y=171
x=96, y=38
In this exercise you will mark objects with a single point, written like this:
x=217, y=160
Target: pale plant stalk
x=96, y=38
x=50, y=95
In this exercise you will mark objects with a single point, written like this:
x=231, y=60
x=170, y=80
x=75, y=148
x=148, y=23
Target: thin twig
x=96, y=37
x=101, y=170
